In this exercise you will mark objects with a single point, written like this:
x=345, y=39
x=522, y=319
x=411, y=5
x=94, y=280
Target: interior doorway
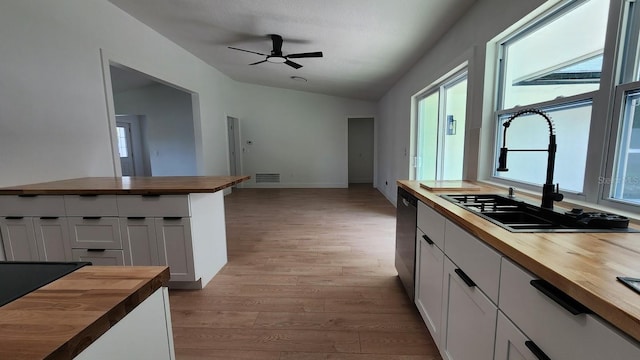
x=134, y=153
x=233, y=131
x=361, y=150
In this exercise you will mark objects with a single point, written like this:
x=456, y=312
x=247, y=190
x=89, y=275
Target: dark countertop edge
x=84, y=338
x=15, y=190
x=618, y=317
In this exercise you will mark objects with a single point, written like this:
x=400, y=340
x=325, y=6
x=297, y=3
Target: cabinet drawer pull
x=49, y=217
x=557, y=295
x=88, y=195
x=27, y=195
x=96, y=250
x=92, y=217
x=428, y=240
x=172, y=218
x=14, y=217
x=535, y=350
x=150, y=195
x=467, y=280
x=136, y=217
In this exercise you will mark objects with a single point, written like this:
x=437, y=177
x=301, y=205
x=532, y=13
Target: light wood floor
x=310, y=276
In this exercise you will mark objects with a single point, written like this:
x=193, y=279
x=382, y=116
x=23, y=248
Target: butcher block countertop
x=61, y=319
x=583, y=265
x=128, y=185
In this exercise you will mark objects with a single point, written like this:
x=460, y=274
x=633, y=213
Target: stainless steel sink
x=518, y=215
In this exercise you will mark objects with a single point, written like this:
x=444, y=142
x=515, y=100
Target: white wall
x=169, y=130
x=302, y=136
x=53, y=119
x=466, y=41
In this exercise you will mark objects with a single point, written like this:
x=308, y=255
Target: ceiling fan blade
x=293, y=65
x=249, y=51
x=277, y=44
x=258, y=62
x=305, y=55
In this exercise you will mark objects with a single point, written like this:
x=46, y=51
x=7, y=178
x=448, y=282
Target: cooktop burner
x=18, y=278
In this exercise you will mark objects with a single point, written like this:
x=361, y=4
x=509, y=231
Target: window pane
x=532, y=132
x=122, y=142
x=626, y=182
x=562, y=57
x=427, y=142
x=453, y=140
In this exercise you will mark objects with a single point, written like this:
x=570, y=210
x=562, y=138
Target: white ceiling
x=367, y=44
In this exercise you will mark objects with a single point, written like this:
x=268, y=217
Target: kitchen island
x=148, y=221
x=95, y=312
x=504, y=271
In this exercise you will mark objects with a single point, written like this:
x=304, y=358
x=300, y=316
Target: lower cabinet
x=29, y=238
x=52, y=238
x=429, y=274
x=468, y=318
x=139, y=241
x=175, y=247
x=99, y=257
x=512, y=344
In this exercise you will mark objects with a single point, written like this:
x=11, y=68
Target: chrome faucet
x=550, y=192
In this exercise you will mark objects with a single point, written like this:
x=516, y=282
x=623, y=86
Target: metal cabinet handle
x=88, y=195
x=557, y=295
x=92, y=217
x=136, y=217
x=49, y=217
x=14, y=217
x=27, y=195
x=467, y=280
x=172, y=218
x=150, y=195
x=535, y=350
x=96, y=250
x=428, y=240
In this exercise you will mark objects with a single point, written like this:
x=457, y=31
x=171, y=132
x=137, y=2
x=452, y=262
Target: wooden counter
x=583, y=265
x=128, y=185
x=61, y=319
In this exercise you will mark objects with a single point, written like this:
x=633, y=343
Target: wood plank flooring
x=310, y=276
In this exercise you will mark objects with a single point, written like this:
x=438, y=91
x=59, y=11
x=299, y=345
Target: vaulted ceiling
x=367, y=44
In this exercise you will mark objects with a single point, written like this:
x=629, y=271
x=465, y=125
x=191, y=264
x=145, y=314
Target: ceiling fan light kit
x=278, y=57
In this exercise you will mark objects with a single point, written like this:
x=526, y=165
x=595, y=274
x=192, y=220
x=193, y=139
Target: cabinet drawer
x=431, y=223
x=40, y=205
x=99, y=258
x=98, y=205
x=154, y=206
x=479, y=261
x=94, y=233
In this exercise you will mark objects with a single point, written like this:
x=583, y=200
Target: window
x=553, y=64
x=441, y=115
x=123, y=146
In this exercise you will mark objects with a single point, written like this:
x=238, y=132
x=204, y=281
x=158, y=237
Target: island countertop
x=59, y=320
x=583, y=265
x=127, y=185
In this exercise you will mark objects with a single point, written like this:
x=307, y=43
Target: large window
x=553, y=64
x=441, y=120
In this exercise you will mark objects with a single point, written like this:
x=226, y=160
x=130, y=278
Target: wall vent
x=267, y=178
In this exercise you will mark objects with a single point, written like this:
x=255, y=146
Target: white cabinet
x=99, y=256
x=511, y=343
x=468, y=318
x=144, y=334
x=175, y=247
x=19, y=238
x=52, y=238
x=429, y=275
x=431, y=223
x=89, y=232
x=139, y=241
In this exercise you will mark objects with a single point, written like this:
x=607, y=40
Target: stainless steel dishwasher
x=406, y=217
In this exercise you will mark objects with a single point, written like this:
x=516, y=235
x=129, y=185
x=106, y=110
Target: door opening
x=233, y=132
x=361, y=150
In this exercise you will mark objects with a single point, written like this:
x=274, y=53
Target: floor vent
x=267, y=178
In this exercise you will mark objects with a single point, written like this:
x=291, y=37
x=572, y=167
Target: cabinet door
x=101, y=257
x=429, y=270
x=52, y=238
x=19, y=238
x=175, y=247
x=139, y=241
x=511, y=342
x=468, y=319
x=94, y=233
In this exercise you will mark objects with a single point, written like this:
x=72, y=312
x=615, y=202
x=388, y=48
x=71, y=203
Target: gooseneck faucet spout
x=550, y=192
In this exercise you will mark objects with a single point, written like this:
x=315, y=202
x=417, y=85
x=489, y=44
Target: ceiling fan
x=276, y=55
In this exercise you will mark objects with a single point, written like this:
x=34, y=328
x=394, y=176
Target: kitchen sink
x=518, y=215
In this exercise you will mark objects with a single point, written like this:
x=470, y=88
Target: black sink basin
x=517, y=215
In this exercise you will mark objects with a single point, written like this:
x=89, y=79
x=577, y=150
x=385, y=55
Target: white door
x=139, y=241
x=511, y=343
x=429, y=274
x=19, y=238
x=125, y=149
x=52, y=237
